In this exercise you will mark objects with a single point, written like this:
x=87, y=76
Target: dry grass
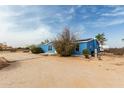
x=116, y=51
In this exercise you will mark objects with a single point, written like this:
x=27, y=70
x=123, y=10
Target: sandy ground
x=32, y=70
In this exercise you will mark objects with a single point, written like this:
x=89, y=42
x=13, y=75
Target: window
x=49, y=47
x=77, y=47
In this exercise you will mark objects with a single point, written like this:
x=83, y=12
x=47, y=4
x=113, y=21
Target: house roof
x=84, y=40
x=46, y=43
x=77, y=41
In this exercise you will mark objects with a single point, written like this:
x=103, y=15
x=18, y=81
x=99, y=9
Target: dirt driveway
x=31, y=70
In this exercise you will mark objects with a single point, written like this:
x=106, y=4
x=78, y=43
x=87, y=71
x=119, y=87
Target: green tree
x=101, y=38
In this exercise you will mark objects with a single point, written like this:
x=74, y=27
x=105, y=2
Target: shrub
x=36, y=50
x=13, y=50
x=26, y=50
x=86, y=53
x=1, y=49
x=64, y=44
x=116, y=51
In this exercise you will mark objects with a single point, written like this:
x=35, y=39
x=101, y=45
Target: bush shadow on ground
x=15, y=63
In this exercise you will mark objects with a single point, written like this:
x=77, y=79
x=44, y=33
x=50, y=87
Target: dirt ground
x=30, y=70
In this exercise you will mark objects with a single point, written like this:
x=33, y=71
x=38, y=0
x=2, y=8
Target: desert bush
x=64, y=43
x=116, y=51
x=19, y=48
x=13, y=50
x=1, y=49
x=26, y=50
x=36, y=50
x=27, y=47
x=86, y=53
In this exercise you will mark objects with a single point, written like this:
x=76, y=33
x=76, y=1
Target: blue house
x=48, y=47
x=91, y=44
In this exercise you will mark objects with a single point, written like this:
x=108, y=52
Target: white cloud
x=72, y=10
x=118, y=8
x=105, y=23
x=115, y=22
x=79, y=30
x=117, y=11
x=19, y=37
x=79, y=6
x=24, y=38
x=114, y=14
x=63, y=18
x=85, y=16
x=70, y=13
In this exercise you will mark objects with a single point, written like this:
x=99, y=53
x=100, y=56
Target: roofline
x=46, y=43
x=78, y=41
x=84, y=40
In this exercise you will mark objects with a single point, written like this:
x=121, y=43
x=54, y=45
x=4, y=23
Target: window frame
x=49, y=47
x=77, y=49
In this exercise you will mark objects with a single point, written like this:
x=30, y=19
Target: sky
x=25, y=25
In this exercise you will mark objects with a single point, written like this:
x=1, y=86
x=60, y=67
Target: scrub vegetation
x=86, y=53
x=64, y=43
x=115, y=51
x=36, y=50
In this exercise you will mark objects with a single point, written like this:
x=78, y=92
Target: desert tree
x=0, y=48
x=101, y=38
x=45, y=41
x=64, y=43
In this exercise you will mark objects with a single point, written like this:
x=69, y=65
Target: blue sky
x=24, y=25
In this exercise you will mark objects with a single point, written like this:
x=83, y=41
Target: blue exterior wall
x=45, y=47
x=90, y=45
x=82, y=45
